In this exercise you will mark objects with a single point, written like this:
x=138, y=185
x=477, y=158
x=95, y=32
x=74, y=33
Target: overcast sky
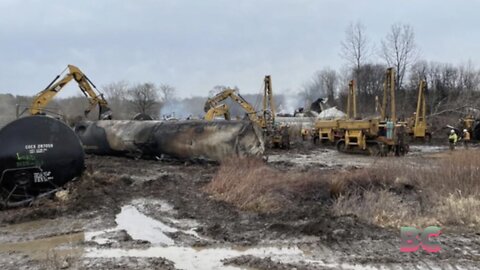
x=194, y=45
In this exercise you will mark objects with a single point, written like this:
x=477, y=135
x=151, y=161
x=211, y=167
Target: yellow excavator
x=42, y=99
x=216, y=111
x=213, y=106
x=276, y=135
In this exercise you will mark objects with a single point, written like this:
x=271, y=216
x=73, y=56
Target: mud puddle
x=211, y=255
x=44, y=248
x=141, y=227
x=321, y=158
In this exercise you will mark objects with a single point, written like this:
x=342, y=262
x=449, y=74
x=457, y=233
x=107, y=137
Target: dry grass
x=251, y=185
x=392, y=193
x=444, y=192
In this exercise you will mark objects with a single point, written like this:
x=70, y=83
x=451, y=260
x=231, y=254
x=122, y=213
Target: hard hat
x=452, y=131
x=465, y=130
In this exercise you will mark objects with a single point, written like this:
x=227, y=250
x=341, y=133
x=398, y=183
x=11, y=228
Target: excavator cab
x=265, y=119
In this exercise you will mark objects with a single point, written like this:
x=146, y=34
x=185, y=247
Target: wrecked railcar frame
x=183, y=140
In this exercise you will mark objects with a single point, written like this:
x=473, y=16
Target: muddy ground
x=145, y=214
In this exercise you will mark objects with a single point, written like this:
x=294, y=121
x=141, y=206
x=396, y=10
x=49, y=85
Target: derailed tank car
x=184, y=140
x=38, y=154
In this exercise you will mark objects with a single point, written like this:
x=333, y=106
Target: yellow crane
x=351, y=101
x=376, y=136
x=417, y=125
x=42, y=99
x=389, y=97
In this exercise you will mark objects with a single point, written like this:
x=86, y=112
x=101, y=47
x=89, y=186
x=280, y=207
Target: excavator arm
x=86, y=86
x=221, y=109
x=231, y=93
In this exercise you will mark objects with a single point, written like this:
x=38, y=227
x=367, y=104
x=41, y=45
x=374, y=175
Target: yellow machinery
x=276, y=135
x=468, y=123
x=324, y=131
x=213, y=102
x=42, y=99
x=218, y=110
x=351, y=101
x=389, y=97
x=268, y=111
x=329, y=130
x=375, y=136
x=417, y=127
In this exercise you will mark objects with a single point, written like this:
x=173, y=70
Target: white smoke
x=7, y=109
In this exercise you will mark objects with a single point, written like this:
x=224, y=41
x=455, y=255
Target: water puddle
x=428, y=148
x=45, y=247
x=142, y=227
x=204, y=258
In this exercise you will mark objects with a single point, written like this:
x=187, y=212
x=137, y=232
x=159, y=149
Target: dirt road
x=141, y=214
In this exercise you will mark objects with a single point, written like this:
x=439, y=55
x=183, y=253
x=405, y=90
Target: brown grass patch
x=252, y=185
x=444, y=192
x=395, y=192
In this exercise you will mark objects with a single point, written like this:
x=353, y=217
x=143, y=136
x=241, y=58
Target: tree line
x=451, y=88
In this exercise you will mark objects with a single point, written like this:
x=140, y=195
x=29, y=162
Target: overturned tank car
x=184, y=140
x=38, y=155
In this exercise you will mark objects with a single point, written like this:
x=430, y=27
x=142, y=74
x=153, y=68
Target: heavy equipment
x=376, y=136
x=417, y=128
x=216, y=111
x=233, y=94
x=328, y=131
x=471, y=124
x=90, y=91
x=276, y=135
x=351, y=101
x=39, y=155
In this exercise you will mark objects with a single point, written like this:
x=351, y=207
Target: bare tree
x=116, y=95
x=116, y=90
x=329, y=80
x=167, y=93
x=469, y=77
x=145, y=99
x=313, y=89
x=399, y=50
x=355, y=47
x=323, y=85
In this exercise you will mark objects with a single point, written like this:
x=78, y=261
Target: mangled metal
x=183, y=140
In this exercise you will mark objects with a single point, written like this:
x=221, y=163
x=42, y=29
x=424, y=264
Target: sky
x=195, y=45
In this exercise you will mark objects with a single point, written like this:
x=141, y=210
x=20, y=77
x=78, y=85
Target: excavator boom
x=231, y=93
x=42, y=99
x=221, y=109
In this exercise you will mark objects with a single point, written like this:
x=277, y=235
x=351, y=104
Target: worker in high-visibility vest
x=452, y=139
